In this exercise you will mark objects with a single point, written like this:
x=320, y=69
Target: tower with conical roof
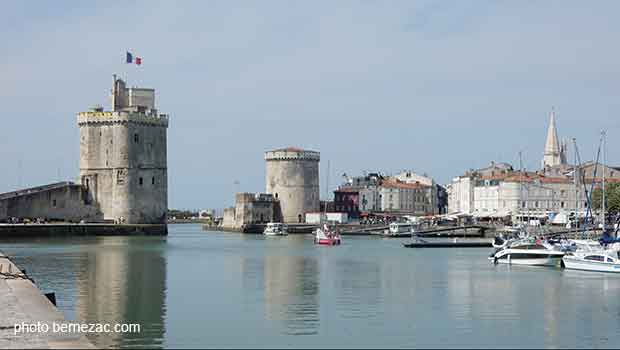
x=554, y=154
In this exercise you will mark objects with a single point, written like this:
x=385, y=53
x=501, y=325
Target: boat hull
x=525, y=257
x=327, y=241
x=275, y=233
x=597, y=266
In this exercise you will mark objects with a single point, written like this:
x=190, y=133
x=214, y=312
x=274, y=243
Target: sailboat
x=326, y=235
x=601, y=256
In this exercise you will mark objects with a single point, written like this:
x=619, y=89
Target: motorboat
x=593, y=256
x=598, y=261
x=327, y=236
x=276, y=229
x=526, y=252
x=399, y=229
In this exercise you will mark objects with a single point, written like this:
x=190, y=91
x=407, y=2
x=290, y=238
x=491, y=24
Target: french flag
x=130, y=59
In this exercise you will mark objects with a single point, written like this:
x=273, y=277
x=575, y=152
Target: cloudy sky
x=433, y=86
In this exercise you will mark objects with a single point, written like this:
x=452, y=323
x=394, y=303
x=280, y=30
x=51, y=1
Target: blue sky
x=434, y=86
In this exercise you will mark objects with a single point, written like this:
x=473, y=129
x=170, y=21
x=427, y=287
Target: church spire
x=553, y=153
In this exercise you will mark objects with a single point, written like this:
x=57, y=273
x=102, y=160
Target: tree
x=612, y=198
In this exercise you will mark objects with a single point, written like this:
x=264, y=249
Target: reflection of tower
x=125, y=282
x=123, y=161
x=292, y=177
x=291, y=290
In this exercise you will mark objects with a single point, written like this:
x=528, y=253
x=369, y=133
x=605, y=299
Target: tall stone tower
x=123, y=157
x=554, y=154
x=293, y=179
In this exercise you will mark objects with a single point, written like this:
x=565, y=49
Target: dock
x=69, y=229
x=453, y=243
x=21, y=302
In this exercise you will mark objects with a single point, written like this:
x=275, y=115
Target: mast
x=603, y=134
x=576, y=177
x=521, y=188
x=326, y=192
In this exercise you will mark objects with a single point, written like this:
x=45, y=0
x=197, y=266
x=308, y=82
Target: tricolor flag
x=130, y=59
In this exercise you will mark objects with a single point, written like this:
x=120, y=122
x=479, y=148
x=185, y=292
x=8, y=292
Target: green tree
x=612, y=197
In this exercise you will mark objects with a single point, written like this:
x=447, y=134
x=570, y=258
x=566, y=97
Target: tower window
x=140, y=181
x=136, y=138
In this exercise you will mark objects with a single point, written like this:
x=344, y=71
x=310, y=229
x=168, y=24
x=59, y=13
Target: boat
x=399, y=229
x=598, y=261
x=598, y=256
x=276, y=229
x=527, y=252
x=327, y=236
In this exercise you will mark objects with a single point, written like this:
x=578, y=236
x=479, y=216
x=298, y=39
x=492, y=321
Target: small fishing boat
x=276, y=229
x=327, y=236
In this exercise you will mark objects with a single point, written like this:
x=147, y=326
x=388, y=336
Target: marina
x=289, y=291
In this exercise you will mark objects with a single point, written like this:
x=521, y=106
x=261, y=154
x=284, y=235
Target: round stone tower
x=293, y=179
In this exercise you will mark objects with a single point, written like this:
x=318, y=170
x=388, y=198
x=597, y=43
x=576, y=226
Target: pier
x=21, y=302
x=68, y=229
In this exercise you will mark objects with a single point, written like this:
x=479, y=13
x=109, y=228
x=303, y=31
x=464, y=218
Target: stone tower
x=554, y=154
x=293, y=178
x=123, y=157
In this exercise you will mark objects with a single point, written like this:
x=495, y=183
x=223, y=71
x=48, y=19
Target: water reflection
x=290, y=286
x=125, y=282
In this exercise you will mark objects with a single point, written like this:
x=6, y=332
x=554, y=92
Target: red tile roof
x=404, y=185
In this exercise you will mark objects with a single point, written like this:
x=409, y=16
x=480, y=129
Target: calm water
x=199, y=289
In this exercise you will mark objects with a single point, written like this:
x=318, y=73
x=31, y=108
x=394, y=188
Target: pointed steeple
x=552, y=155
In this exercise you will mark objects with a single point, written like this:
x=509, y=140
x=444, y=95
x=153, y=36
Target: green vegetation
x=612, y=198
x=181, y=214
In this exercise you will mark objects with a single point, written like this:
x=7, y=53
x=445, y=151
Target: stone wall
x=292, y=177
x=67, y=202
x=123, y=164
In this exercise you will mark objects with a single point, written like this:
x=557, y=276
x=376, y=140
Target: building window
x=136, y=138
x=140, y=181
x=54, y=203
x=562, y=204
x=153, y=182
x=276, y=196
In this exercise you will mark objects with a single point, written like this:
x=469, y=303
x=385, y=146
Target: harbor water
x=212, y=289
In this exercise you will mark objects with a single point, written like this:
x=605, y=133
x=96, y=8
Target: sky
x=437, y=87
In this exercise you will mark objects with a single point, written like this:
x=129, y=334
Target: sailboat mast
x=604, y=165
x=521, y=187
x=576, y=177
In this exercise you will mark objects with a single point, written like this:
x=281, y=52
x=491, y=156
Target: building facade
x=123, y=157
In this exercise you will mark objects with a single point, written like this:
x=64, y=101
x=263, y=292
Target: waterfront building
x=123, y=168
x=377, y=193
x=123, y=156
x=251, y=208
x=292, y=177
x=499, y=191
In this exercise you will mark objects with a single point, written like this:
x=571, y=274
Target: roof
x=531, y=177
x=403, y=185
x=290, y=149
x=349, y=189
x=35, y=190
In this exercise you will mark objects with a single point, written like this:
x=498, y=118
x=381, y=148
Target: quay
x=68, y=229
x=21, y=302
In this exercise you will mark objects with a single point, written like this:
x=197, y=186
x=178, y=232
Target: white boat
x=592, y=256
x=276, y=229
x=600, y=261
x=400, y=228
x=526, y=252
x=327, y=236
